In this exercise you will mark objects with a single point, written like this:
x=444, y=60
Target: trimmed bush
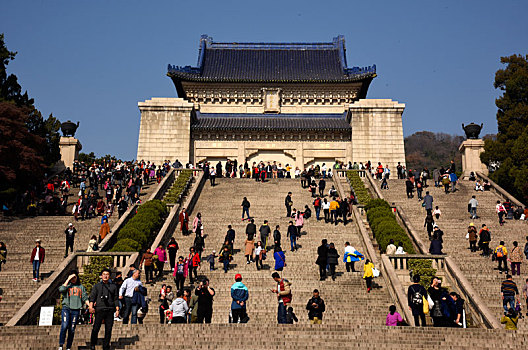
x=358, y=187
x=423, y=268
x=173, y=194
x=126, y=245
x=384, y=226
x=140, y=231
x=378, y=203
x=380, y=217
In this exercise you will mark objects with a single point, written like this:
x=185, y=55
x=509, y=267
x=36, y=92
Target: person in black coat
x=322, y=186
x=277, y=236
x=230, y=235
x=315, y=307
x=333, y=257
x=415, y=295
x=288, y=203
x=251, y=230
x=322, y=259
x=435, y=247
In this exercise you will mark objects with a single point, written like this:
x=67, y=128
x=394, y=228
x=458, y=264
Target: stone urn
x=69, y=128
x=472, y=130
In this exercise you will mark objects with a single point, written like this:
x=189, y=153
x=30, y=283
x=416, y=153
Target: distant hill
x=432, y=150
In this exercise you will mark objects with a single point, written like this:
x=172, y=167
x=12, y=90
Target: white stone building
x=294, y=103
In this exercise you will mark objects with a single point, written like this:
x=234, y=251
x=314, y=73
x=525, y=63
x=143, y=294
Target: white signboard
x=46, y=316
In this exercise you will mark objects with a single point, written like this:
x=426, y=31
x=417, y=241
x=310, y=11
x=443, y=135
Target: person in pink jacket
x=393, y=317
x=197, y=224
x=299, y=222
x=162, y=259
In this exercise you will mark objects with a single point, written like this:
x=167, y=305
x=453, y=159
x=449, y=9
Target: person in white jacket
x=179, y=308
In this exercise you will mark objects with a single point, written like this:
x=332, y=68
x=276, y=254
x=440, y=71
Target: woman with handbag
x=438, y=295
x=368, y=274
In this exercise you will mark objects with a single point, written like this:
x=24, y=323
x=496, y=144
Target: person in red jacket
x=184, y=222
x=194, y=263
x=37, y=257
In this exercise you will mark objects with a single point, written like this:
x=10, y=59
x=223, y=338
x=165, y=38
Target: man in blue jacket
x=240, y=295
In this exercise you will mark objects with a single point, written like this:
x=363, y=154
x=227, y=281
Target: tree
x=432, y=150
x=510, y=148
x=34, y=123
x=20, y=165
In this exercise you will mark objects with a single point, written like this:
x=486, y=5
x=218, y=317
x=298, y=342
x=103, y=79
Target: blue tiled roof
x=260, y=122
x=272, y=62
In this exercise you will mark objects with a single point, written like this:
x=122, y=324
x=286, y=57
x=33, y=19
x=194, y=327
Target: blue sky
x=92, y=61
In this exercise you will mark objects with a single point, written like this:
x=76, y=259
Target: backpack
x=417, y=297
x=317, y=202
x=500, y=252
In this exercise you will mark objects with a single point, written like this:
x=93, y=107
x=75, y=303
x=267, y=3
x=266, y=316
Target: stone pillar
x=165, y=130
x=377, y=132
x=471, y=150
x=69, y=150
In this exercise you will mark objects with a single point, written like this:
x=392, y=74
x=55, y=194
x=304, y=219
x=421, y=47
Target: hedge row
x=358, y=186
x=384, y=226
x=177, y=188
x=422, y=268
x=139, y=232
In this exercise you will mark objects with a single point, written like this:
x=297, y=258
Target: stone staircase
x=348, y=334
x=481, y=272
x=20, y=235
x=220, y=206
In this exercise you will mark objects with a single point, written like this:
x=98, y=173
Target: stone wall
x=377, y=131
x=165, y=130
x=377, y=135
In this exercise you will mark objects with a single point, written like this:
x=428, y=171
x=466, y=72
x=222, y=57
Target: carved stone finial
x=472, y=130
x=69, y=128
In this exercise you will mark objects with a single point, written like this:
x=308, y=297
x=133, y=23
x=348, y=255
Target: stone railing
x=501, y=192
x=342, y=173
x=48, y=290
x=397, y=266
x=164, y=185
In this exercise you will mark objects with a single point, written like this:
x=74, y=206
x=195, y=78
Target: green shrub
x=384, y=226
x=126, y=245
x=422, y=268
x=173, y=194
x=377, y=203
x=358, y=187
x=132, y=233
x=380, y=217
x=378, y=212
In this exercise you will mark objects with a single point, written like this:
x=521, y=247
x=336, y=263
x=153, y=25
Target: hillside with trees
x=432, y=150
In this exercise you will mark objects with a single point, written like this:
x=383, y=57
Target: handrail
x=163, y=185
x=499, y=190
x=49, y=288
x=471, y=295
